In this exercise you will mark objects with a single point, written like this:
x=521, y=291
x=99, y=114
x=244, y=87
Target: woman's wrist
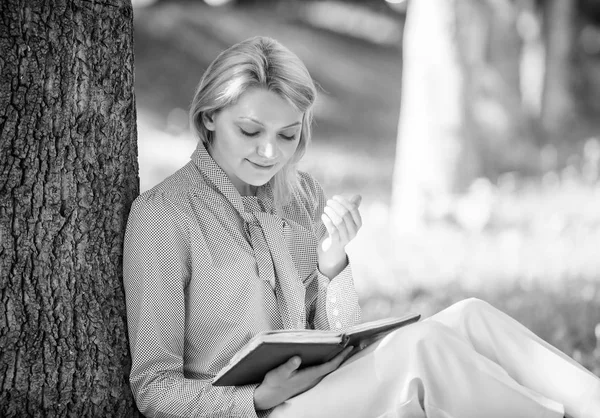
x=262, y=399
x=331, y=266
x=259, y=402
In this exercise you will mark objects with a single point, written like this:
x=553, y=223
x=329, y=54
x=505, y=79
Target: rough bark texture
x=68, y=174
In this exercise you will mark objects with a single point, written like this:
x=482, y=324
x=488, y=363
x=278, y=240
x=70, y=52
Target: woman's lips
x=262, y=166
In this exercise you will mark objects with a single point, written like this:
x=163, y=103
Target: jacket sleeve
x=156, y=268
x=331, y=303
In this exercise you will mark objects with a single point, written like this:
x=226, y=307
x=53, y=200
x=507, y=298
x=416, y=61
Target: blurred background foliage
x=485, y=182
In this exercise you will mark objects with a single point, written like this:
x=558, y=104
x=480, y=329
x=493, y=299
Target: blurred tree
x=588, y=46
x=68, y=174
x=432, y=138
x=380, y=6
x=485, y=84
x=571, y=36
x=559, y=103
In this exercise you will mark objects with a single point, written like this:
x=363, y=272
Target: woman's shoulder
x=174, y=191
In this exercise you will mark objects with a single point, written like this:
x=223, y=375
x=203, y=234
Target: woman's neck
x=247, y=190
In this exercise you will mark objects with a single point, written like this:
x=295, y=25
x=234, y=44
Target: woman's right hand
x=287, y=381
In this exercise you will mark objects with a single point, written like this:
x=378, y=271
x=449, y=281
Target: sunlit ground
x=528, y=246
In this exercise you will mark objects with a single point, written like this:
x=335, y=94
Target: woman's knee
x=468, y=307
x=471, y=306
x=458, y=315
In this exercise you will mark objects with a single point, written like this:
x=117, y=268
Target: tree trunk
x=431, y=126
x=462, y=113
x=501, y=127
x=558, y=101
x=68, y=174
x=532, y=62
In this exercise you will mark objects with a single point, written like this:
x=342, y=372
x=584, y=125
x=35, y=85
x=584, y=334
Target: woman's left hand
x=342, y=220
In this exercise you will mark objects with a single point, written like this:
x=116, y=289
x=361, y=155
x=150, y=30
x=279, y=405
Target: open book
x=270, y=349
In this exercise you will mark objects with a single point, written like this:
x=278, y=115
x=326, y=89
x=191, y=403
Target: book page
x=300, y=336
x=382, y=325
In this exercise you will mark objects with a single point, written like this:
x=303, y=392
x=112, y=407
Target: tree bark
x=68, y=174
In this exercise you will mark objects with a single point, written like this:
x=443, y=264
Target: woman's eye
x=251, y=134
x=288, y=138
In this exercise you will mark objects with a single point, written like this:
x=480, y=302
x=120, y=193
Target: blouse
x=206, y=269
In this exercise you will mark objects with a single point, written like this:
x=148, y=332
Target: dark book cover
x=269, y=350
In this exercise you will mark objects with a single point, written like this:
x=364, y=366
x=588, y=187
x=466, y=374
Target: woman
x=238, y=241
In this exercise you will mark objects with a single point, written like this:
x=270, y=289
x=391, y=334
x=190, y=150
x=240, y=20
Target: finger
x=338, y=222
x=331, y=365
x=334, y=363
x=340, y=358
x=355, y=202
x=341, y=207
x=289, y=367
x=352, y=206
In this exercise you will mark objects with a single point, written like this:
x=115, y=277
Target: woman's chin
x=260, y=179
x=261, y=182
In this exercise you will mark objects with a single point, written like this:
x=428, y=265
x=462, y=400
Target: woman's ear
x=208, y=121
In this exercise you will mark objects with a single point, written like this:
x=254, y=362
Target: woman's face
x=254, y=138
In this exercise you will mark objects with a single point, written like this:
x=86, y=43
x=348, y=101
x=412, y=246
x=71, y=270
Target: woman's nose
x=266, y=149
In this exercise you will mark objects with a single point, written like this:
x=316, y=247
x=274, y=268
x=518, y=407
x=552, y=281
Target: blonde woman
x=239, y=241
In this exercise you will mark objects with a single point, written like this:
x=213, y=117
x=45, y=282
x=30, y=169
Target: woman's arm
x=342, y=221
x=331, y=298
x=333, y=304
x=156, y=269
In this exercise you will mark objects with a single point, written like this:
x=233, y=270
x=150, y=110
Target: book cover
x=270, y=349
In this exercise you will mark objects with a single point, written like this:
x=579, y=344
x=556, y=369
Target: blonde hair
x=265, y=63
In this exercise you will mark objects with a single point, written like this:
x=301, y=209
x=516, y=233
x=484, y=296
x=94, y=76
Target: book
x=268, y=350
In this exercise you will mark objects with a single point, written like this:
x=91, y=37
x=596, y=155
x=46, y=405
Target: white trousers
x=468, y=361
